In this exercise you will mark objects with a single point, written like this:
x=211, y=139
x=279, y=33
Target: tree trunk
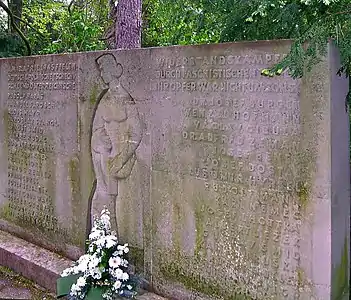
x=128, y=24
x=16, y=8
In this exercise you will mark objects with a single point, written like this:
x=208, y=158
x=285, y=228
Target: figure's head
x=109, y=68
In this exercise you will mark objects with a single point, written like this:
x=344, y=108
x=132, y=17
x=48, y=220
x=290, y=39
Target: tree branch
x=339, y=13
x=70, y=6
x=112, y=34
x=29, y=25
x=12, y=20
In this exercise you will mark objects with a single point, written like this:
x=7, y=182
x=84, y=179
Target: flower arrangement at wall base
x=101, y=273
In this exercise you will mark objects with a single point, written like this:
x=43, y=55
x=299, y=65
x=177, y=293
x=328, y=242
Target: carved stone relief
x=117, y=133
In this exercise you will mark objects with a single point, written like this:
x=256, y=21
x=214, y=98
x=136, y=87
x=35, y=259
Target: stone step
x=36, y=264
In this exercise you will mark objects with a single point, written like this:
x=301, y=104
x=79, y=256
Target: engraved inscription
x=238, y=142
x=32, y=110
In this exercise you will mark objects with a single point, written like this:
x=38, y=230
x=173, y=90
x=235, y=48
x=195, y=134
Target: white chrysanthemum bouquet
x=101, y=273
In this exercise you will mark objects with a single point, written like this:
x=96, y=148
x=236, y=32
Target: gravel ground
x=14, y=286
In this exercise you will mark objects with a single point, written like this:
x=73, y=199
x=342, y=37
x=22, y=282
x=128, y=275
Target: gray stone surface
x=7, y=291
x=150, y=296
x=16, y=287
x=224, y=182
x=33, y=262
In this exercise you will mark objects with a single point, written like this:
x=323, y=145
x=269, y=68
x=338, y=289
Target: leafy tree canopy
x=56, y=26
x=310, y=23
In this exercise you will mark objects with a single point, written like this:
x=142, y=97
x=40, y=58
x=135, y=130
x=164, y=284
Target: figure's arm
x=100, y=141
x=132, y=140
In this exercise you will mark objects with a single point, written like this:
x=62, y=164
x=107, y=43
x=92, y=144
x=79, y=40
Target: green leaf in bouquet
x=63, y=284
x=95, y=293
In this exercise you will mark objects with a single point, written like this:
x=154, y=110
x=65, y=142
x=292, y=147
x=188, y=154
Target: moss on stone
x=19, y=281
x=73, y=171
x=5, y=211
x=136, y=257
x=93, y=94
x=177, y=219
x=340, y=282
x=199, y=226
x=78, y=235
x=303, y=194
x=172, y=272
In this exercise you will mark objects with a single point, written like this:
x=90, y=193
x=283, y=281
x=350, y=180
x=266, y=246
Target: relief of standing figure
x=116, y=134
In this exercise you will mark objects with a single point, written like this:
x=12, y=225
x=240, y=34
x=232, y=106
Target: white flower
x=118, y=253
x=96, y=234
x=81, y=282
x=75, y=288
x=124, y=263
x=129, y=287
x=105, y=211
x=125, y=276
x=66, y=272
x=95, y=273
x=118, y=273
x=117, y=284
x=105, y=219
x=84, y=258
x=126, y=249
x=115, y=262
x=93, y=262
x=110, y=241
x=123, y=248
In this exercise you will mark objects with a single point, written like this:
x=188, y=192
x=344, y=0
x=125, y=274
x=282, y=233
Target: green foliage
x=179, y=22
x=10, y=45
x=310, y=23
x=51, y=27
x=80, y=29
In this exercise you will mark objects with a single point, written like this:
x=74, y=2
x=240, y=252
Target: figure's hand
x=101, y=143
x=115, y=164
x=106, y=141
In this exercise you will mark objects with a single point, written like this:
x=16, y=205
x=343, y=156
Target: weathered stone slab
x=248, y=187
x=224, y=182
x=33, y=262
x=40, y=197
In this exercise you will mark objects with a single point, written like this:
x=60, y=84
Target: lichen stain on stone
x=73, y=173
x=10, y=127
x=177, y=220
x=303, y=194
x=300, y=276
x=340, y=282
x=136, y=257
x=199, y=227
x=93, y=94
x=74, y=181
x=298, y=171
x=5, y=211
x=171, y=271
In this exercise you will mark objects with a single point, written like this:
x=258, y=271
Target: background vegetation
x=58, y=26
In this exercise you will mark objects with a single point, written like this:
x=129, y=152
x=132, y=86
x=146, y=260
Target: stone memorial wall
x=226, y=184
